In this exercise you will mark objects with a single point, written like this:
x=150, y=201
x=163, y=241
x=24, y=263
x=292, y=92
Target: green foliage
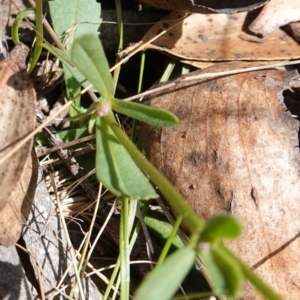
x=17, y=22
x=71, y=19
x=221, y=227
x=88, y=55
x=163, y=282
x=224, y=273
x=144, y=113
x=122, y=168
x=115, y=167
x=161, y=227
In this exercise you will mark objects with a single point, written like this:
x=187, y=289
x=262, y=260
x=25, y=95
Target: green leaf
x=70, y=20
x=231, y=271
x=162, y=283
x=64, y=58
x=221, y=227
x=222, y=271
x=115, y=167
x=88, y=56
x=73, y=88
x=257, y=282
x=145, y=113
x=17, y=23
x=161, y=227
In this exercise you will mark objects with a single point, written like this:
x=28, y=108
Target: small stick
x=41, y=152
x=68, y=159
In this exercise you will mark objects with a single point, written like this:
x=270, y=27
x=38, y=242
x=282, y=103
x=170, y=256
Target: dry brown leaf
x=202, y=38
x=15, y=212
x=236, y=150
x=275, y=14
x=206, y=6
x=17, y=119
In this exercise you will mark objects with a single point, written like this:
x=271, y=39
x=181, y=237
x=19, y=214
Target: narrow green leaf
x=161, y=227
x=115, y=167
x=162, y=283
x=17, y=23
x=222, y=271
x=212, y=273
x=257, y=282
x=169, y=241
x=231, y=271
x=221, y=227
x=144, y=113
x=88, y=56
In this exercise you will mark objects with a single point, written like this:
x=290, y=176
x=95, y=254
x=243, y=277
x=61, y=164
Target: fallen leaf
x=17, y=119
x=236, y=150
x=206, y=6
x=15, y=212
x=295, y=29
x=275, y=14
x=202, y=39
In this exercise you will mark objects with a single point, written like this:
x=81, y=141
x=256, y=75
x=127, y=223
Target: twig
x=68, y=159
x=42, y=152
x=38, y=269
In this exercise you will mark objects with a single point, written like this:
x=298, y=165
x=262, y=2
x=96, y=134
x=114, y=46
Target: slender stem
x=142, y=68
x=168, y=71
x=190, y=218
x=124, y=250
x=169, y=242
x=39, y=36
x=116, y=73
x=258, y=283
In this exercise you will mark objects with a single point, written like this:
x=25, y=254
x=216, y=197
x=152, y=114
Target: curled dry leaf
x=275, y=14
x=206, y=6
x=202, y=39
x=17, y=119
x=236, y=150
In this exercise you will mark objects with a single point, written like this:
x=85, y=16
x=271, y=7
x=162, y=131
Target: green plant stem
x=140, y=83
x=17, y=22
x=120, y=47
x=190, y=218
x=118, y=262
x=142, y=68
x=168, y=71
x=39, y=36
x=169, y=242
x=254, y=279
x=124, y=250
